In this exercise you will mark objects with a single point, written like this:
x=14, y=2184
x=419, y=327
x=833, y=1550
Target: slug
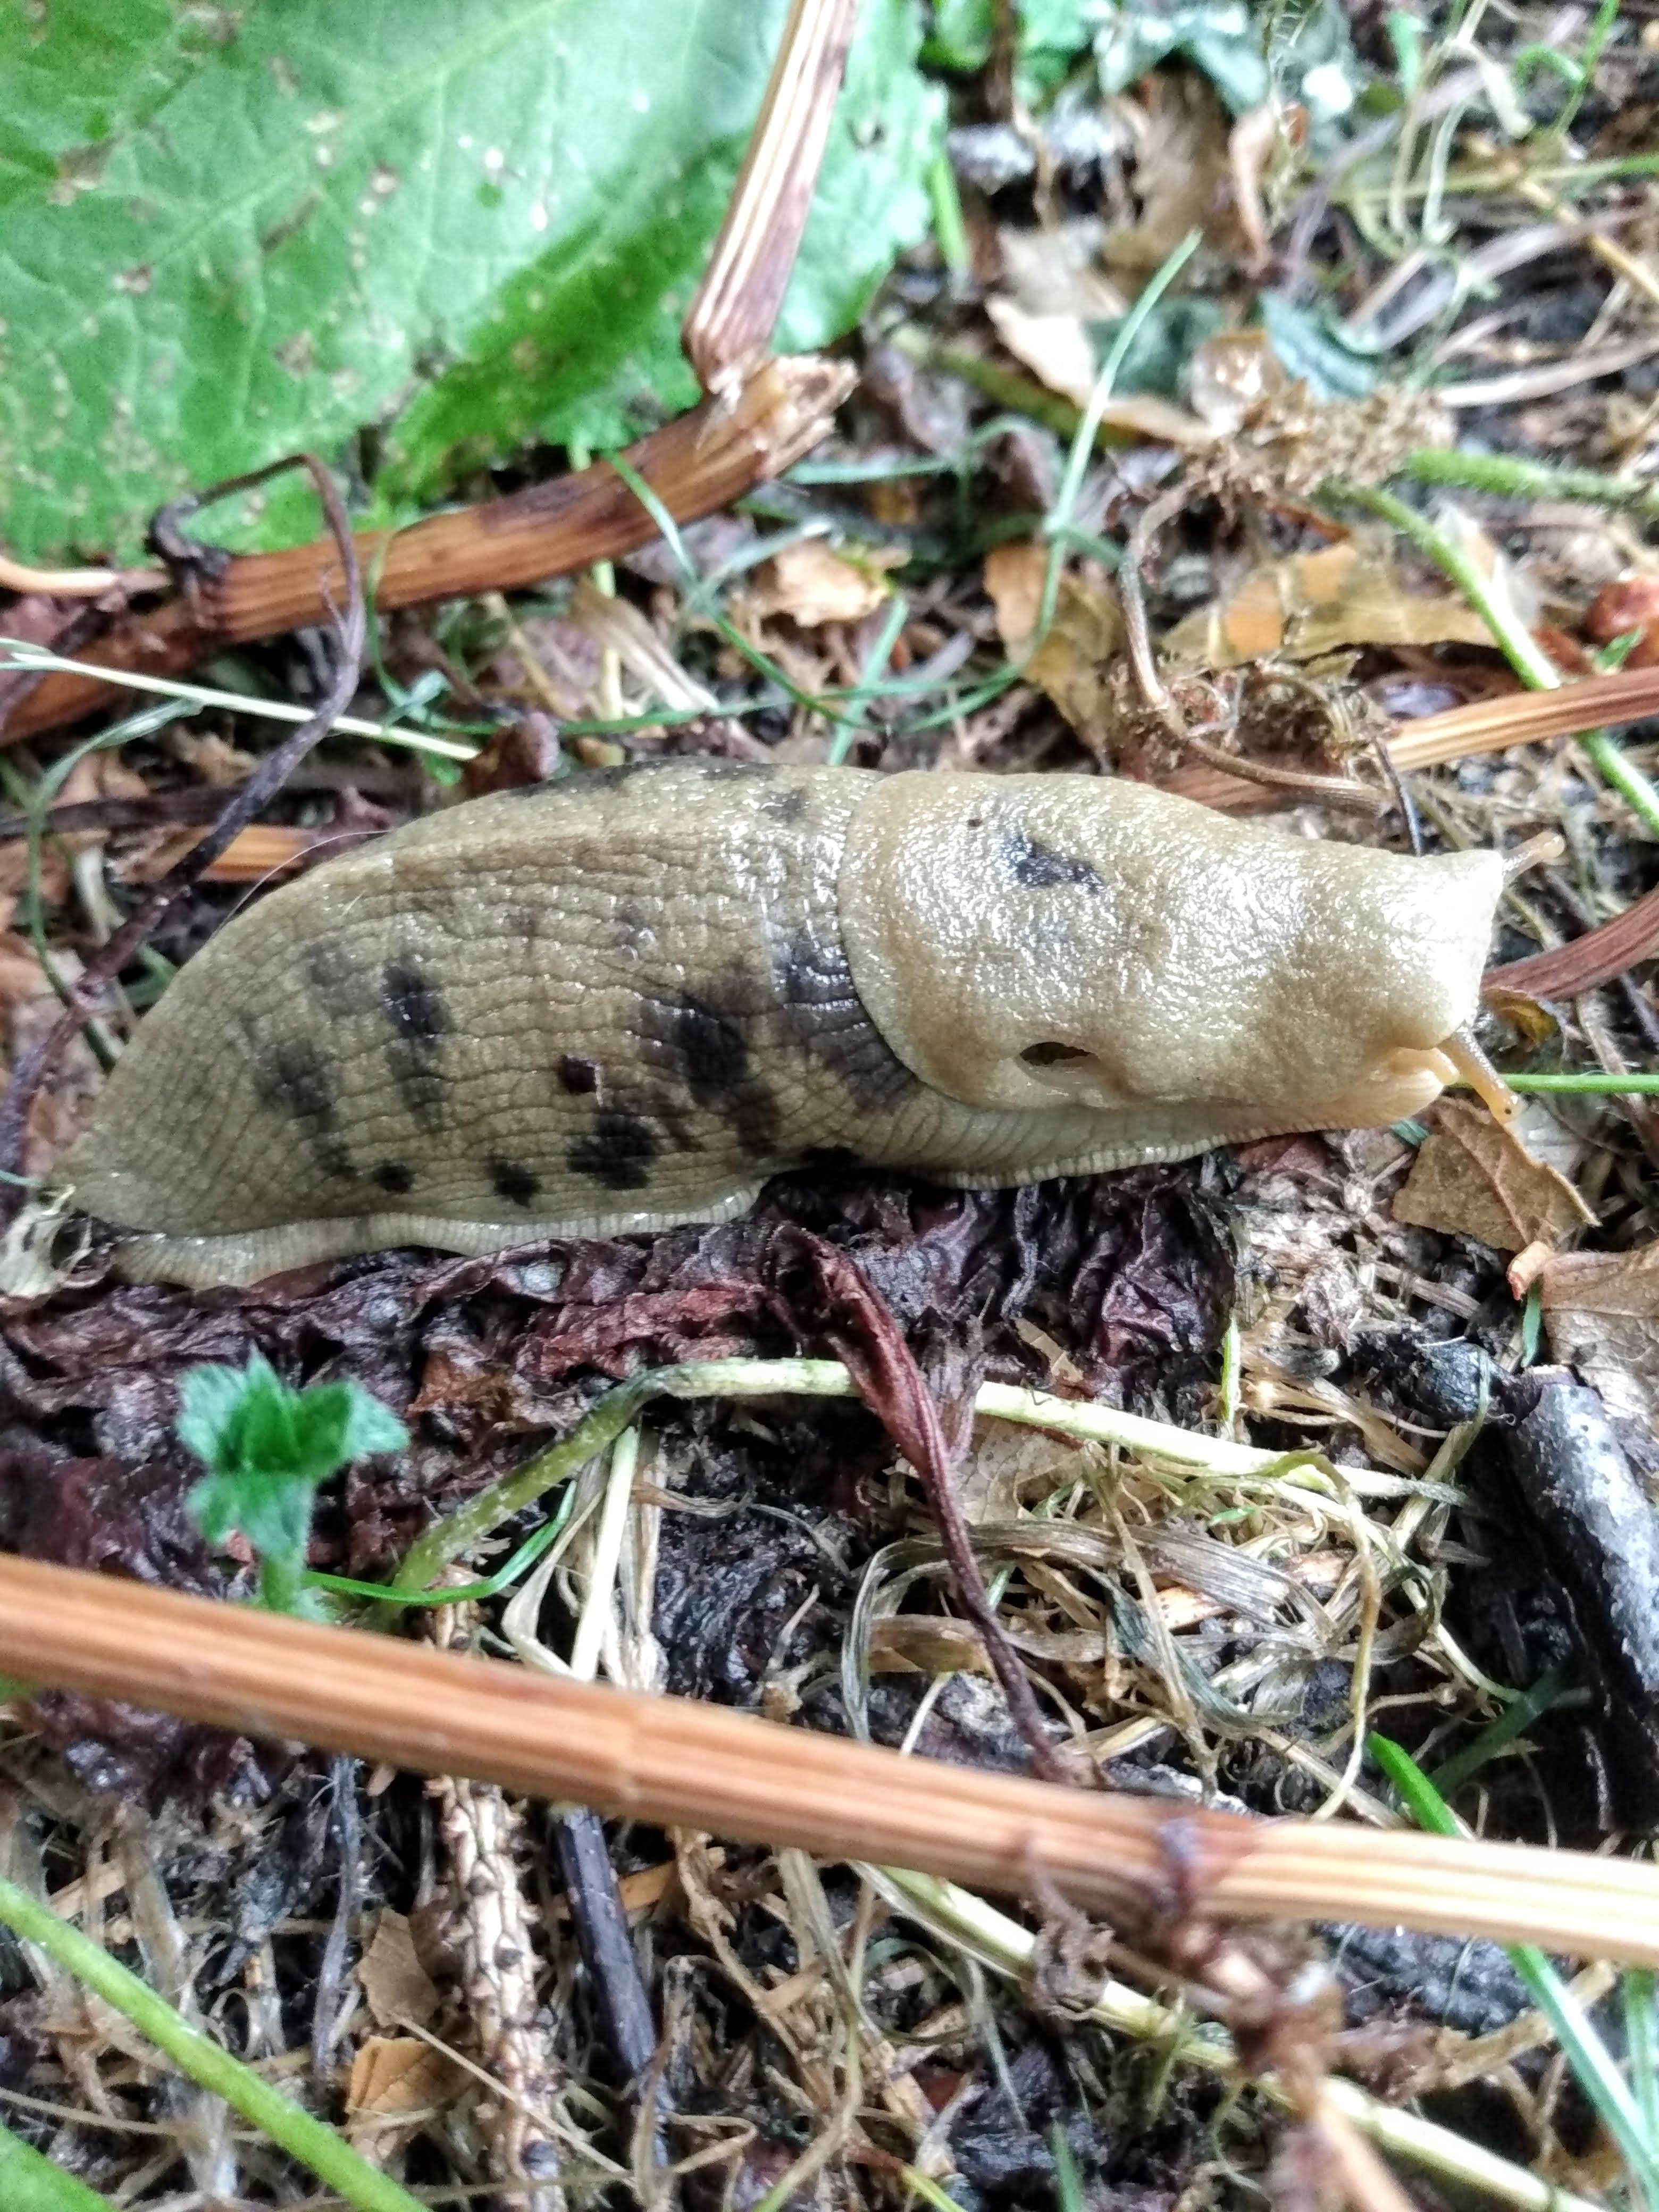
x=626, y=999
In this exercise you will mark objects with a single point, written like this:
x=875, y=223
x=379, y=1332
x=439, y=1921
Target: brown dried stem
x=729, y=325
x=1490, y=725
x=678, y=1764
x=864, y=1334
x=699, y=463
x=1566, y=972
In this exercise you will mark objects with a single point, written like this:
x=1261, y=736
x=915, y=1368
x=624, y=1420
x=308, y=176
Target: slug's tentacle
x=625, y=1001
x=1469, y=1060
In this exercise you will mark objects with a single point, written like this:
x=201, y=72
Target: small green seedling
x=266, y=1449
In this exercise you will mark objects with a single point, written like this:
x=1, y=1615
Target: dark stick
x=600, y=1920
x=598, y=1915
x=864, y=1334
x=247, y=800
x=345, y=1824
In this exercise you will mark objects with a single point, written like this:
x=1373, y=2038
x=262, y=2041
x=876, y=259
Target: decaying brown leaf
x=395, y=2077
x=1346, y=594
x=907, y=1643
x=1474, y=1177
x=813, y=586
x=395, y=1983
x=1183, y=176
x=1013, y=584
x=1601, y=1310
x=1059, y=352
x=1057, y=348
x=1074, y=664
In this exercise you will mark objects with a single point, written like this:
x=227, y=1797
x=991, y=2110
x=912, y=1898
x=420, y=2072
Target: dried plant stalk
x=1490, y=725
x=729, y=325
x=1568, y=971
x=699, y=463
x=678, y=1764
x=1523, y=718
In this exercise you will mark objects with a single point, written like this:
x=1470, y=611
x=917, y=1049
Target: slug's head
x=1026, y=942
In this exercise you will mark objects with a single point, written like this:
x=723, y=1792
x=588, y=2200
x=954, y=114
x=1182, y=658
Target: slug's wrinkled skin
x=625, y=1001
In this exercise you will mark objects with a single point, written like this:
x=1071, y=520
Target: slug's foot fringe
x=249, y=1255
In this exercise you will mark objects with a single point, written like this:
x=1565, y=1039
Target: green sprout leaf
x=267, y=1447
x=462, y=224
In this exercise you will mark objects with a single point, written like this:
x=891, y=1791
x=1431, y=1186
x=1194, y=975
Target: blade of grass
x=1591, y=1083
x=870, y=676
x=1083, y=1418
x=1063, y=513
x=1640, y=1993
x=1588, y=2057
x=950, y=231
x=814, y=702
x=29, y=2181
x=24, y=658
x=1514, y=1721
x=326, y=2155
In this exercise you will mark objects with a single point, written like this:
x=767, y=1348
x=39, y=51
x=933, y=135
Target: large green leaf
x=229, y=233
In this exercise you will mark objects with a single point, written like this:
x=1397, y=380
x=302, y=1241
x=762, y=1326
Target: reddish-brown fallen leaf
x=1474, y=1177
x=1601, y=1309
x=1630, y=604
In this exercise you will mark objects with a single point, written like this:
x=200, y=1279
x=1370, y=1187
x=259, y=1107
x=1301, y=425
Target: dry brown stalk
x=1521, y=718
x=1566, y=972
x=699, y=463
x=678, y=1764
x=729, y=325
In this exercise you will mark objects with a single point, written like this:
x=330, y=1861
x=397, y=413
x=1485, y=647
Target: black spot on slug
x=395, y=1176
x=618, y=1151
x=711, y=1056
x=576, y=1075
x=1039, y=867
x=512, y=1181
x=1051, y=1053
x=295, y=1078
x=788, y=807
x=336, y=980
x=710, y=1049
x=412, y=1003
x=414, y=1007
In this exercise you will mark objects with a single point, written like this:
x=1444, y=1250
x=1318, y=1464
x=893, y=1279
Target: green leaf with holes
x=458, y=226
